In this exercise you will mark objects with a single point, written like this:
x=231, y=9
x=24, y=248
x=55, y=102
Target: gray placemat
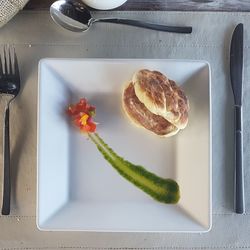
x=35, y=36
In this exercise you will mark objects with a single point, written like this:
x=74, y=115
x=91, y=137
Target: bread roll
x=161, y=96
x=142, y=117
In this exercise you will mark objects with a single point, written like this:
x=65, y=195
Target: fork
x=9, y=89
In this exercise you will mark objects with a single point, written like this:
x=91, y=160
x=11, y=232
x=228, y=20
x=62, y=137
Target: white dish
x=104, y=4
x=79, y=191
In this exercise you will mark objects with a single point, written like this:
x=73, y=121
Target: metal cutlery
x=236, y=74
x=9, y=89
x=74, y=16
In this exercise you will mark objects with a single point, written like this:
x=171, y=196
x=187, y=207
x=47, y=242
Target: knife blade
x=236, y=74
x=236, y=63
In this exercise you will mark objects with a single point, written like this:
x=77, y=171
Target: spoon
x=73, y=15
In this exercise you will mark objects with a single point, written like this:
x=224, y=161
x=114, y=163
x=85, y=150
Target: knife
x=236, y=74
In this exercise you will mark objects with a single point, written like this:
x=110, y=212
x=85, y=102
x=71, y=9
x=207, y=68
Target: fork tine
x=10, y=61
x=16, y=69
x=5, y=63
x=1, y=66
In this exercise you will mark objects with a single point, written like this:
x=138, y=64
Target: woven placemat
x=9, y=8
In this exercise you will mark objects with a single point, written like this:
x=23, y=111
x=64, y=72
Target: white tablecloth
x=35, y=36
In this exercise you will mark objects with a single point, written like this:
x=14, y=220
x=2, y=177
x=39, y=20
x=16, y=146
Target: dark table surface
x=183, y=5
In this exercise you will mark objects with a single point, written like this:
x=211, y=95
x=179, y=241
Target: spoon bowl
x=71, y=15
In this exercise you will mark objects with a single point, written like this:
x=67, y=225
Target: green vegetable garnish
x=162, y=190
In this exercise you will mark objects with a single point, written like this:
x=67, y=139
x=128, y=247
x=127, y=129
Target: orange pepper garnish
x=84, y=119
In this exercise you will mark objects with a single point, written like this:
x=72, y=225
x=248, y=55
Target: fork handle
x=6, y=167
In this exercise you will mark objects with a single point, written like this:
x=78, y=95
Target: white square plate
x=79, y=191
